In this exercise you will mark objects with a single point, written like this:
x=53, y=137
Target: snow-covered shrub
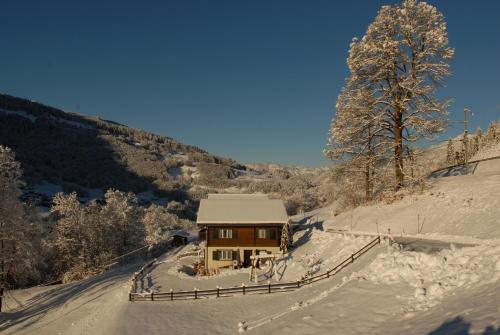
x=159, y=223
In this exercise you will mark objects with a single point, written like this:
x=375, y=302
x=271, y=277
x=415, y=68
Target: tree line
x=468, y=146
x=76, y=239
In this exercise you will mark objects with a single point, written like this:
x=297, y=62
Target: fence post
x=218, y=291
x=269, y=287
x=195, y=293
x=352, y=258
x=243, y=285
x=152, y=296
x=129, y=299
x=298, y=283
x=171, y=294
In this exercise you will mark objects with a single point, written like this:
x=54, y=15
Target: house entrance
x=246, y=258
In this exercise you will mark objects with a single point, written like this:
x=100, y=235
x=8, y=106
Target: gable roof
x=241, y=209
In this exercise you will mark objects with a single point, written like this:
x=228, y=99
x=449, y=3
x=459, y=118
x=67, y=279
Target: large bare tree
x=404, y=58
x=355, y=134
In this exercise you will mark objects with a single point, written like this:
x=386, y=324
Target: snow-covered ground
x=388, y=291
x=457, y=208
x=316, y=251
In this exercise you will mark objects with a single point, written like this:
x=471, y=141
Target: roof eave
x=219, y=222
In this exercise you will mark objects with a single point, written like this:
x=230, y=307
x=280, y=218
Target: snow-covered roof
x=241, y=209
x=180, y=232
x=238, y=196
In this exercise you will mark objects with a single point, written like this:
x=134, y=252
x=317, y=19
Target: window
x=267, y=234
x=225, y=255
x=225, y=233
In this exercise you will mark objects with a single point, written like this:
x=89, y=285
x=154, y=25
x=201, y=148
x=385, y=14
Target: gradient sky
x=252, y=80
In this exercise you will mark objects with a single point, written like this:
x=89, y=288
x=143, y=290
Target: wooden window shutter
x=272, y=233
x=215, y=233
x=235, y=233
x=215, y=255
x=235, y=255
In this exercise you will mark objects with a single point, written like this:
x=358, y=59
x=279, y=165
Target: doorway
x=246, y=258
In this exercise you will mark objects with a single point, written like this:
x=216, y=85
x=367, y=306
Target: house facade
x=238, y=226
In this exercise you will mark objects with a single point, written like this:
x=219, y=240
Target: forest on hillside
x=81, y=152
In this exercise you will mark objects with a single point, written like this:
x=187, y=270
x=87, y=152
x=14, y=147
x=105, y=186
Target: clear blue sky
x=252, y=80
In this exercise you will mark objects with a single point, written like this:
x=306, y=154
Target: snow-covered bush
x=159, y=223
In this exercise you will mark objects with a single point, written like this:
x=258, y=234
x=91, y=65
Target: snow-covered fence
x=459, y=169
x=153, y=251
x=140, y=273
x=251, y=289
x=188, y=254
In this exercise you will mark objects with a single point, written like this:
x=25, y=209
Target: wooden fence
x=463, y=165
x=244, y=290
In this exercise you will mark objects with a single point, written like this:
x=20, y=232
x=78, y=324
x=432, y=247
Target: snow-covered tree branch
x=403, y=59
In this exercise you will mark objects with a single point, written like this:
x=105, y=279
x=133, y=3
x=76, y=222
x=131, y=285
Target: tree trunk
x=368, y=187
x=2, y=283
x=398, y=151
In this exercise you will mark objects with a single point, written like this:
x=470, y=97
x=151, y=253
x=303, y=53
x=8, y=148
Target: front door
x=246, y=258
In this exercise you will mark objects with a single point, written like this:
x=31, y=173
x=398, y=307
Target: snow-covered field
x=458, y=208
x=388, y=291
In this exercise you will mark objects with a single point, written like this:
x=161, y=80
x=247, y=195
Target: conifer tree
x=286, y=238
x=480, y=138
x=465, y=150
x=491, y=133
x=450, y=152
x=475, y=146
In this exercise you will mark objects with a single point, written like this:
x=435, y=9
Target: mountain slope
x=72, y=152
x=62, y=147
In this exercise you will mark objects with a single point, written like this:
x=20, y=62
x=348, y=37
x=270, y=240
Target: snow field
x=433, y=276
x=459, y=206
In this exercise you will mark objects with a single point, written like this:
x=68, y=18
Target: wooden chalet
x=238, y=226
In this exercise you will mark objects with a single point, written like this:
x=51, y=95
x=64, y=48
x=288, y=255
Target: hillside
x=464, y=207
x=390, y=290
x=62, y=151
x=63, y=147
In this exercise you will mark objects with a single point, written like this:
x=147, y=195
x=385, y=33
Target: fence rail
x=430, y=174
x=243, y=290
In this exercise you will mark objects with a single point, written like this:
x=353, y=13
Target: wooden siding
x=275, y=242
x=243, y=236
